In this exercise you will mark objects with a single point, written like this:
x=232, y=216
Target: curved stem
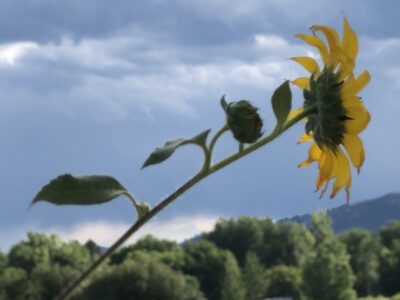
x=182, y=189
x=214, y=140
x=207, y=158
x=217, y=136
x=131, y=198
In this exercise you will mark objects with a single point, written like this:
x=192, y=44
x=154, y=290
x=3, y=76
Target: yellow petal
x=357, y=84
x=295, y=112
x=307, y=63
x=301, y=82
x=342, y=172
x=333, y=40
x=349, y=41
x=347, y=65
x=305, y=138
x=330, y=34
x=316, y=42
x=359, y=118
x=348, y=83
x=349, y=101
x=355, y=149
x=326, y=167
x=314, y=154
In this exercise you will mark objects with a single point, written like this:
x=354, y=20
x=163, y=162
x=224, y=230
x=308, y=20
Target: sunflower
x=336, y=113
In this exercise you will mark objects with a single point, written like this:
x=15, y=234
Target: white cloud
x=10, y=53
x=114, y=77
x=270, y=41
x=379, y=46
x=105, y=232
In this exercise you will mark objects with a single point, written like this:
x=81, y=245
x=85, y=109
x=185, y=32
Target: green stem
x=132, y=199
x=207, y=158
x=216, y=137
x=182, y=189
x=212, y=145
x=259, y=143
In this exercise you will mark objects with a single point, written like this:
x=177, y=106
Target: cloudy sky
x=91, y=87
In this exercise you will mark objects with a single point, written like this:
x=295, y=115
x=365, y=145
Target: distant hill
x=370, y=215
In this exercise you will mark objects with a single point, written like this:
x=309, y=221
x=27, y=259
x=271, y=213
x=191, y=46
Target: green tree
x=3, y=261
x=165, y=251
x=283, y=281
x=390, y=234
x=174, y=258
x=232, y=286
x=363, y=248
x=142, y=279
x=327, y=273
x=216, y=269
x=390, y=269
x=47, y=281
x=35, y=251
x=147, y=243
x=71, y=254
x=238, y=236
x=94, y=249
x=41, y=249
x=284, y=243
x=253, y=273
x=390, y=258
x=14, y=284
x=274, y=243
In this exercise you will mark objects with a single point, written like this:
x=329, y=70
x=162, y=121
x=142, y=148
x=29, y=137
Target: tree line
x=241, y=259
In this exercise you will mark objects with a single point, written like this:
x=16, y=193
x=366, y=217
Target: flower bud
x=244, y=121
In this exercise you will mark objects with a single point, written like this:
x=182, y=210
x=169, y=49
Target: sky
x=92, y=87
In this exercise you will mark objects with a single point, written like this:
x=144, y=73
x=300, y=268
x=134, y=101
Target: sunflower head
x=326, y=121
x=336, y=114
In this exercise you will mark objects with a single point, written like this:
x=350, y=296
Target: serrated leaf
x=80, y=190
x=161, y=154
x=282, y=103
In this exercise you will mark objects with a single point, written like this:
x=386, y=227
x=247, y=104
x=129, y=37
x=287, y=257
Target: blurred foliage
x=327, y=273
x=254, y=278
x=389, y=267
x=142, y=279
x=284, y=281
x=216, y=269
x=247, y=258
x=363, y=248
x=283, y=243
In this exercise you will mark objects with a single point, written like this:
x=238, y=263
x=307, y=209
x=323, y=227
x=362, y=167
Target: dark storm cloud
x=195, y=22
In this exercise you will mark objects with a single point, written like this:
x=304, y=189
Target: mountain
x=370, y=214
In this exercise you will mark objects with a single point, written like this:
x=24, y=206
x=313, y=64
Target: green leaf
x=163, y=153
x=201, y=139
x=282, y=103
x=223, y=102
x=82, y=190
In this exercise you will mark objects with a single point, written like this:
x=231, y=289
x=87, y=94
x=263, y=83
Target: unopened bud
x=244, y=121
